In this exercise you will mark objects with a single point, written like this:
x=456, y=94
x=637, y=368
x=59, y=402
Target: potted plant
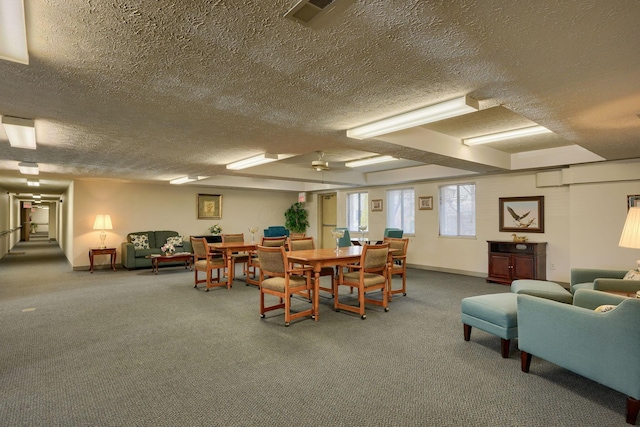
x=296, y=218
x=215, y=229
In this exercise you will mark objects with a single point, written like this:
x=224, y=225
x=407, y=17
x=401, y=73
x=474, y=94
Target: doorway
x=328, y=219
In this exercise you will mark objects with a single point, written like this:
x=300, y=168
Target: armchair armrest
x=603, y=284
x=590, y=299
x=128, y=255
x=585, y=275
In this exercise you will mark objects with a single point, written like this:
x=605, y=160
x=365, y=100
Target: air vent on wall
x=307, y=11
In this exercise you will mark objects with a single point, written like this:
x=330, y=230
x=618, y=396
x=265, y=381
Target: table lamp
x=103, y=222
x=630, y=237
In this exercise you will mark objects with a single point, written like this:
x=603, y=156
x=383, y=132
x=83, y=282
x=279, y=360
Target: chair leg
x=633, y=407
x=467, y=332
x=504, y=348
x=525, y=361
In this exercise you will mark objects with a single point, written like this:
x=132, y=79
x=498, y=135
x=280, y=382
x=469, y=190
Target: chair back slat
x=375, y=257
x=200, y=246
x=302, y=244
x=273, y=242
x=272, y=260
x=233, y=238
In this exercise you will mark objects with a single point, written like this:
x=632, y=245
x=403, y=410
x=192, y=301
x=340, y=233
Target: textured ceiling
x=151, y=91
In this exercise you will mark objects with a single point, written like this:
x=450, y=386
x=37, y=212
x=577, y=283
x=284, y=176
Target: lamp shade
x=630, y=237
x=102, y=222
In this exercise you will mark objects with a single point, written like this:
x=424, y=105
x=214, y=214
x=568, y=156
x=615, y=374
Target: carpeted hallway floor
x=130, y=348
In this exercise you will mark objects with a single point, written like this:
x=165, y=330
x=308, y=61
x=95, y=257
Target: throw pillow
x=140, y=241
x=604, y=308
x=632, y=275
x=175, y=240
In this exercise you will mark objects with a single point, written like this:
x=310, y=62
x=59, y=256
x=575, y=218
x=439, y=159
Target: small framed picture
x=522, y=214
x=376, y=205
x=425, y=203
x=209, y=206
x=633, y=201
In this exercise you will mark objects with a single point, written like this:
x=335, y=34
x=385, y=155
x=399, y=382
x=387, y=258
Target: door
x=329, y=219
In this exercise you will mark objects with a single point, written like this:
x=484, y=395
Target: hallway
x=25, y=269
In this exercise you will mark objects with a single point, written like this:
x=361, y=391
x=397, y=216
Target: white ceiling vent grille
x=306, y=12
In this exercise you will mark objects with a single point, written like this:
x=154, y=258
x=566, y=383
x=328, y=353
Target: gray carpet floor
x=130, y=348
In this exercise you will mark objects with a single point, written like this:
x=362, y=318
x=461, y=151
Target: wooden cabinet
x=509, y=261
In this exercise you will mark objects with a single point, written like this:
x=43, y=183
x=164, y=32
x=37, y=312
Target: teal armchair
x=602, y=347
x=276, y=231
x=393, y=232
x=602, y=280
x=346, y=239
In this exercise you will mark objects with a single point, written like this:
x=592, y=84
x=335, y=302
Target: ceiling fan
x=320, y=165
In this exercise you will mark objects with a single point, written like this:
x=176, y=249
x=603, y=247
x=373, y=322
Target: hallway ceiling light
x=510, y=134
x=432, y=113
x=33, y=183
x=184, y=179
x=28, y=168
x=370, y=161
x=21, y=132
x=13, y=32
x=253, y=161
x=37, y=196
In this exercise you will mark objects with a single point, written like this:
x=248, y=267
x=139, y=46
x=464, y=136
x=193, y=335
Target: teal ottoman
x=542, y=289
x=496, y=314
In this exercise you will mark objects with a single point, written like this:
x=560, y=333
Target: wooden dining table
x=228, y=248
x=318, y=258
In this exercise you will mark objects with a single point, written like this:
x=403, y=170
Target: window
x=357, y=210
x=458, y=210
x=401, y=210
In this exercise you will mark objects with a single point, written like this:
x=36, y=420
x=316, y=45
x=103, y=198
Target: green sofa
x=602, y=280
x=602, y=347
x=137, y=258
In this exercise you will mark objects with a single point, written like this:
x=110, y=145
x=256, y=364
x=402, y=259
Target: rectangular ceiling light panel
x=253, y=161
x=13, y=32
x=432, y=113
x=369, y=161
x=21, y=132
x=27, y=168
x=510, y=134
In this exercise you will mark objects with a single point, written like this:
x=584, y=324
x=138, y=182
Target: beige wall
x=140, y=207
x=583, y=220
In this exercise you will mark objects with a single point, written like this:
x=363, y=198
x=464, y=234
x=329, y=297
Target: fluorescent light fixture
x=184, y=179
x=33, y=183
x=369, y=161
x=13, y=32
x=21, y=132
x=28, y=168
x=37, y=196
x=510, y=134
x=432, y=113
x=253, y=161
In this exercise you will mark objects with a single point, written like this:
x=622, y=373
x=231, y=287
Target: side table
x=102, y=251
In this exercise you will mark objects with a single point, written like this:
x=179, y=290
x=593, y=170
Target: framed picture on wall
x=522, y=214
x=209, y=206
x=376, y=205
x=425, y=203
x=633, y=201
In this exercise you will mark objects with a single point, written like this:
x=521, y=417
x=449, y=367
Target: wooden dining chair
x=294, y=236
x=207, y=261
x=369, y=274
x=253, y=263
x=280, y=279
x=399, y=264
x=307, y=243
x=238, y=257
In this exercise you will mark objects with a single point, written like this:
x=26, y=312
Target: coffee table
x=187, y=257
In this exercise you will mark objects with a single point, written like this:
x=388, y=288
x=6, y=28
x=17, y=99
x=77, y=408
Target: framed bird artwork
x=522, y=214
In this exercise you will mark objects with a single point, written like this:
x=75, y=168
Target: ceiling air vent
x=308, y=11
